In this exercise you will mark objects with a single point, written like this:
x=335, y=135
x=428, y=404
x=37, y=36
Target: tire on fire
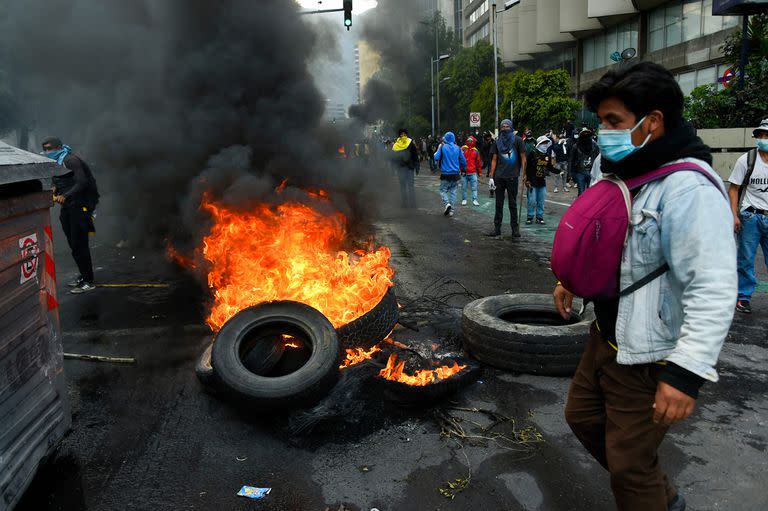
x=524, y=333
x=373, y=326
x=261, y=359
x=307, y=384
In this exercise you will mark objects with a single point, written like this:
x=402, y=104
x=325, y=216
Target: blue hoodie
x=450, y=156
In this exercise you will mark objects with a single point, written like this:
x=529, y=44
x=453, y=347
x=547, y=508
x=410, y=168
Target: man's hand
x=59, y=198
x=671, y=405
x=736, y=224
x=491, y=184
x=563, y=301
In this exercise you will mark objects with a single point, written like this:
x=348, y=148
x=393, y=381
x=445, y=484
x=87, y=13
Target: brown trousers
x=610, y=409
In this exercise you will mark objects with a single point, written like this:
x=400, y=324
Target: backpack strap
x=658, y=272
x=751, y=160
x=662, y=172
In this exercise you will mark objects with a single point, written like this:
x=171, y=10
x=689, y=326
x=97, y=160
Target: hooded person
x=508, y=158
x=406, y=160
x=451, y=161
x=583, y=155
x=474, y=167
x=539, y=165
x=74, y=188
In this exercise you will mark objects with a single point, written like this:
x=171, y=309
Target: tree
x=541, y=99
x=465, y=70
x=733, y=107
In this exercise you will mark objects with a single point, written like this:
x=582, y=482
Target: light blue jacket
x=450, y=156
x=684, y=315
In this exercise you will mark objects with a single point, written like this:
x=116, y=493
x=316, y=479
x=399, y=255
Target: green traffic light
x=348, y=22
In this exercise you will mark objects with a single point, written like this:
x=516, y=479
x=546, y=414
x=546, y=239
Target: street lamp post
x=432, y=63
x=495, y=64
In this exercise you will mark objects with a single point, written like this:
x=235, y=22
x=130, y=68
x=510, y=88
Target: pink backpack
x=591, y=237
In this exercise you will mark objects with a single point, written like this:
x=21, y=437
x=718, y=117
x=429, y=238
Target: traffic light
x=347, y=13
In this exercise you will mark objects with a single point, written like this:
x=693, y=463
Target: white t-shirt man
x=756, y=194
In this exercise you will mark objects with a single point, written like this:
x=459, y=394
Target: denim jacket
x=684, y=315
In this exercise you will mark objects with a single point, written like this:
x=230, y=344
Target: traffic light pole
x=320, y=11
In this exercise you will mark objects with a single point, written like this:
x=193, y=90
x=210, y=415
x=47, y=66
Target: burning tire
x=372, y=327
x=261, y=359
x=525, y=333
x=248, y=328
x=404, y=394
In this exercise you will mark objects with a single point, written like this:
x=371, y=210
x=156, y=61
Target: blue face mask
x=615, y=145
x=762, y=144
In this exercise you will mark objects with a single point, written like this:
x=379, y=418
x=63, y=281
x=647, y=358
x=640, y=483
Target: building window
x=597, y=49
x=477, y=13
x=705, y=76
x=482, y=33
x=684, y=20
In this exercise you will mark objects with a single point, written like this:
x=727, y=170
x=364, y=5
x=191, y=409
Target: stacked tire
x=525, y=333
x=285, y=354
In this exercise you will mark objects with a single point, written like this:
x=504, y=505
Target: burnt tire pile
x=286, y=354
x=525, y=333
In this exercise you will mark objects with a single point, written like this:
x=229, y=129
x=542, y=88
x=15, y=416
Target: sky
x=358, y=6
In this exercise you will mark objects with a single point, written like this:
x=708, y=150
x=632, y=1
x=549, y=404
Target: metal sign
x=29, y=251
x=474, y=120
x=728, y=75
x=731, y=7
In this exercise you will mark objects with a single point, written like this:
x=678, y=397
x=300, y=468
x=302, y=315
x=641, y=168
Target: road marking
x=558, y=203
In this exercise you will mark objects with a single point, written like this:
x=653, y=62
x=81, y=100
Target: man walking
x=406, y=160
x=474, y=167
x=539, y=165
x=750, y=177
x=583, y=156
x=507, y=159
x=560, y=164
x=654, y=345
x=451, y=161
x=74, y=187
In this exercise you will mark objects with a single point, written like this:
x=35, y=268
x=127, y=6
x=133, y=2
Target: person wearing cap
x=749, y=179
x=507, y=161
x=406, y=160
x=452, y=163
x=74, y=188
x=539, y=165
x=583, y=155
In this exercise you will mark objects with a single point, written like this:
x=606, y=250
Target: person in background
x=451, y=162
x=474, y=167
x=433, y=145
x=539, y=165
x=750, y=218
x=74, y=188
x=582, y=157
x=406, y=161
x=529, y=139
x=485, y=151
x=560, y=165
x=507, y=161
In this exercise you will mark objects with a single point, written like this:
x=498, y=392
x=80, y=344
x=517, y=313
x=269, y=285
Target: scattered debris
x=134, y=285
x=100, y=358
x=253, y=493
x=241, y=459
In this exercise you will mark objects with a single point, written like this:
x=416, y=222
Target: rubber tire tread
x=305, y=386
x=372, y=327
x=534, y=349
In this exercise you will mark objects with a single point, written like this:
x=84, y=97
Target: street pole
x=495, y=65
x=432, y=89
x=743, y=56
x=437, y=58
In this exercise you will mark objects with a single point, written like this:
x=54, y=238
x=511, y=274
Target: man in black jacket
x=582, y=157
x=74, y=187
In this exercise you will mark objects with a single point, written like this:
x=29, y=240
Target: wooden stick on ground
x=100, y=358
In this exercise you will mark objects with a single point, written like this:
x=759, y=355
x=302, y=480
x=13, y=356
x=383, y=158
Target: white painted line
x=558, y=203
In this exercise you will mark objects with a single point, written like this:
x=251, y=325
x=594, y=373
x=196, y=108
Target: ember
x=358, y=355
x=394, y=371
x=290, y=252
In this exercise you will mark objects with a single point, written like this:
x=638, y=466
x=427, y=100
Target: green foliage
x=541, y=99
x=466, y=69
x=707, y=107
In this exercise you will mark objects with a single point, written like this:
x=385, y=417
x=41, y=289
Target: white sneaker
x=447, y=209
x=82, y=288
x=475, y=203
x=555, y=190
x=464, y=202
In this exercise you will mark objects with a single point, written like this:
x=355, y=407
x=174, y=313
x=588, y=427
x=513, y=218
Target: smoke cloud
x=170, y=99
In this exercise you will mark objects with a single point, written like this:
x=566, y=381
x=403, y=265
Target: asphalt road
x=145, y=437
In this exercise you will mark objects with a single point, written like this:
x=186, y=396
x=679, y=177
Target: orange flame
x=394, y=371
x=358, y=355
x=290, y=252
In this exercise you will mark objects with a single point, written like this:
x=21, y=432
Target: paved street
x=145, y=437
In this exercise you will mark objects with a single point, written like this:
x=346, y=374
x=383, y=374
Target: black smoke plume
x=170, y=99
